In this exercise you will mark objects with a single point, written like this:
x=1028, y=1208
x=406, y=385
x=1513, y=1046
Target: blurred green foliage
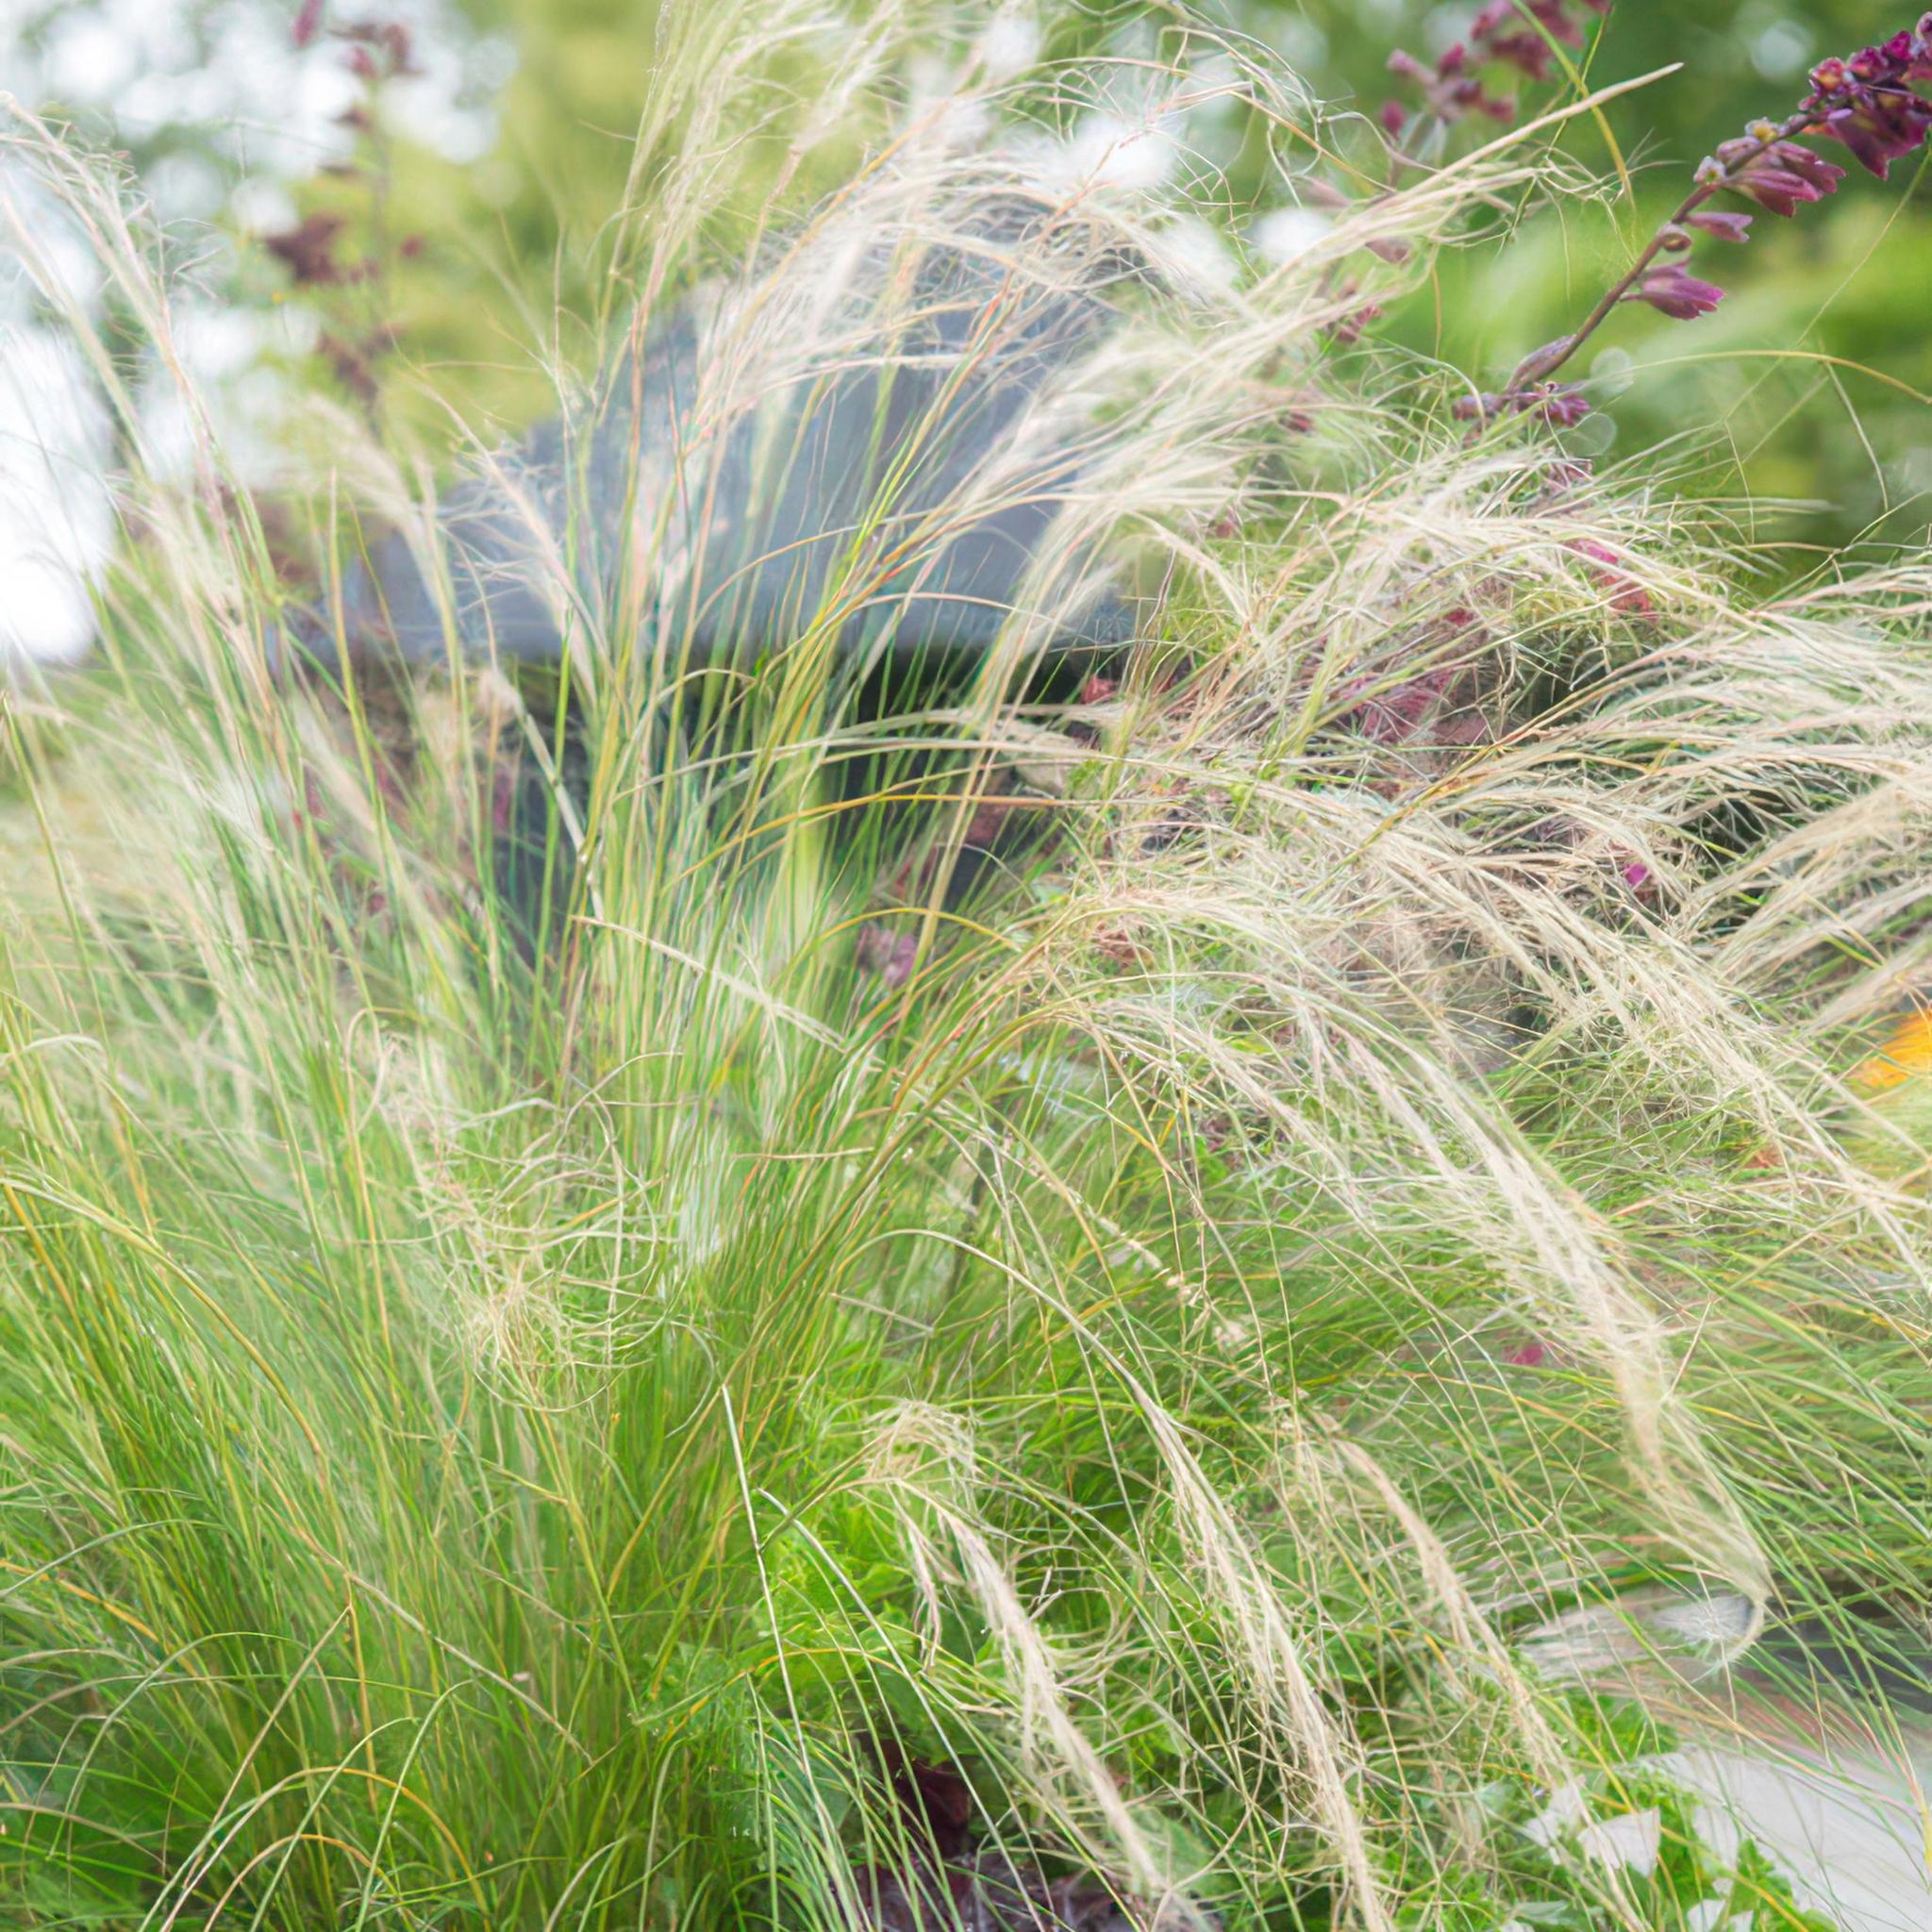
x=1812, y=385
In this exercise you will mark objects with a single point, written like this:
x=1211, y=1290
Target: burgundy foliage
x=942, y=1882
x=308, y=250
x=891, y=951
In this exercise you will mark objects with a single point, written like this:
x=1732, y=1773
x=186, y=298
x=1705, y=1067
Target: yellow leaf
x=1908, y=1052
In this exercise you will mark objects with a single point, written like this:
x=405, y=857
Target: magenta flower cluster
x=1871, y=102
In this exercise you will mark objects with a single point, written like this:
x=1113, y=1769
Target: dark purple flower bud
x=307, y=22
x=1672, y=291
x=1777, y=178
x=1723, y=223
x=1499, y=33
x=1560, y=403
x=1625, y=592
x=1529, y=54
x=1556, y=22
x=1450, y=89
x=309, y=249
x=1348, y=329
x=1572, y=472
x=1399, y=715
x=1877, y=65
x=891, y=954
x=393, y=38
x=1533, y=365
x=1394, y=119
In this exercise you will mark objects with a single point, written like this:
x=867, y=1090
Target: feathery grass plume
x=673, y=1423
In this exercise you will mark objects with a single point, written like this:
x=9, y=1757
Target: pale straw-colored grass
x=506, y=1442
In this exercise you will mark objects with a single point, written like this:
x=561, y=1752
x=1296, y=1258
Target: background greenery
x=1810, y=385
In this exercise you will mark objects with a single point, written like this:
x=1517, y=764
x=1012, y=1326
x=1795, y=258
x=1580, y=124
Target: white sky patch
x=244, y=116
x=57, y=519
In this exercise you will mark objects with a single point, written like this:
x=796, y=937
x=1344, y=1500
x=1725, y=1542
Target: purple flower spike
x=1560, y=25
x=1877, y=103
x=1563, y=405
x=1669, y=290
x=1867, y=100
x=1879, y=125
x=1529, y=54
x=1725, y=224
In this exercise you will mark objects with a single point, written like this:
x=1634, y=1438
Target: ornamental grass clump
x=1018, y=1306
